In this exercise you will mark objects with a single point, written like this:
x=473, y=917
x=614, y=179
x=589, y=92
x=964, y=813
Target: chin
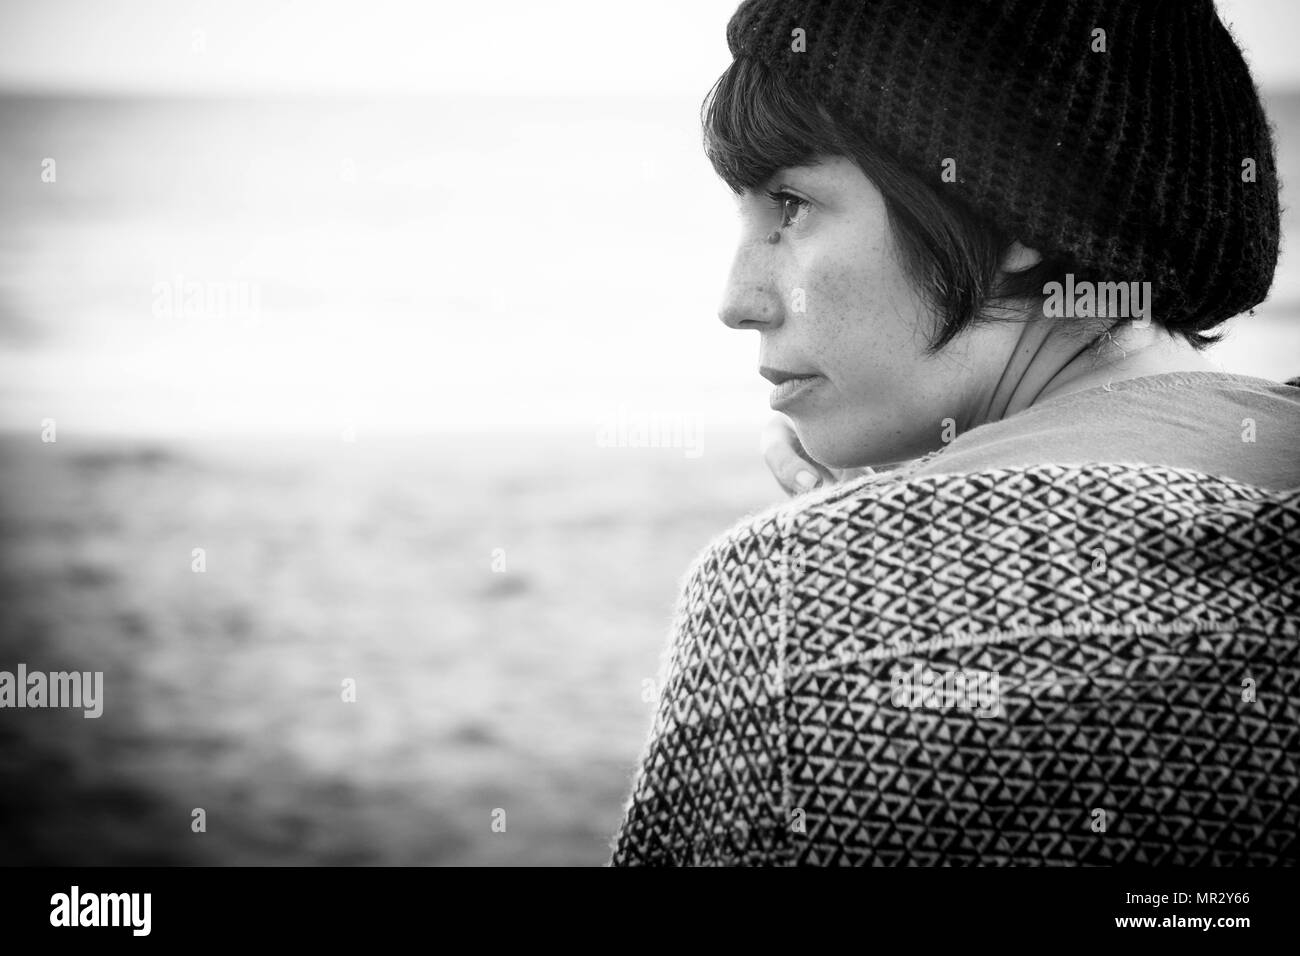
x=840, y=447
x=840, y=440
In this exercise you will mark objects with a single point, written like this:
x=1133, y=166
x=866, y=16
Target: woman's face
x=831, y=301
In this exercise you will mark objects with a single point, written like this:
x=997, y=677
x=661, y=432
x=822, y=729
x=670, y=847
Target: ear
x=1018, y=258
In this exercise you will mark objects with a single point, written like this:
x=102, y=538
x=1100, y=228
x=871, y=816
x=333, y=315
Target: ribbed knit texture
x=1131, y=736
x=1129, y=160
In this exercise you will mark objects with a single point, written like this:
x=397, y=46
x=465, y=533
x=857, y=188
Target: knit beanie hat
x=1126, y=134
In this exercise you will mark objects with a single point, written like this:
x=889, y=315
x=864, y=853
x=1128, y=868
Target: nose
x=751, y=299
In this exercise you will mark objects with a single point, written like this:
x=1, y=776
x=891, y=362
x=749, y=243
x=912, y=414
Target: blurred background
x=378, y=305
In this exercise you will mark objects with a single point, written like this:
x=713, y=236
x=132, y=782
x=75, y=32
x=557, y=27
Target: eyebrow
x=812, y=164
x=777, y=174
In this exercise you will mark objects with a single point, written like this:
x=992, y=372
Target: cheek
x=870, y=329
x=870, y=338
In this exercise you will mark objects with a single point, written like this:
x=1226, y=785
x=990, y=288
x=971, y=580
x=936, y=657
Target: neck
x=1048, y=361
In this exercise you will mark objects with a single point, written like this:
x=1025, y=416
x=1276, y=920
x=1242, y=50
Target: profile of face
x=836, y=309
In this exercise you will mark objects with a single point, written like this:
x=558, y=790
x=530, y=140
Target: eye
x=792, y=207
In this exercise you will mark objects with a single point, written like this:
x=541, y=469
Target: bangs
x=754, y=124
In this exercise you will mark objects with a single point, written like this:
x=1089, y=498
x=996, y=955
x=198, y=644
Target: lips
x=791, y=387
x=791, y=391
x=778, y=376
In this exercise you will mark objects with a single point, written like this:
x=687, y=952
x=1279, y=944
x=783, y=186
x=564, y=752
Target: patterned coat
x=1038, y=665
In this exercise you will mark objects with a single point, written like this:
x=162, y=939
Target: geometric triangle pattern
x=1134, y=633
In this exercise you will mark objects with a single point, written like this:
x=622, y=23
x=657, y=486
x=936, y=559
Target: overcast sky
x=404, y=260
x=506, y=47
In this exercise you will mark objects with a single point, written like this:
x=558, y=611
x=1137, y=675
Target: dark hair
x=756, y=122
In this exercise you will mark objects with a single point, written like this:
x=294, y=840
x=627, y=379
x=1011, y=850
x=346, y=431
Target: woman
x=985, y=244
